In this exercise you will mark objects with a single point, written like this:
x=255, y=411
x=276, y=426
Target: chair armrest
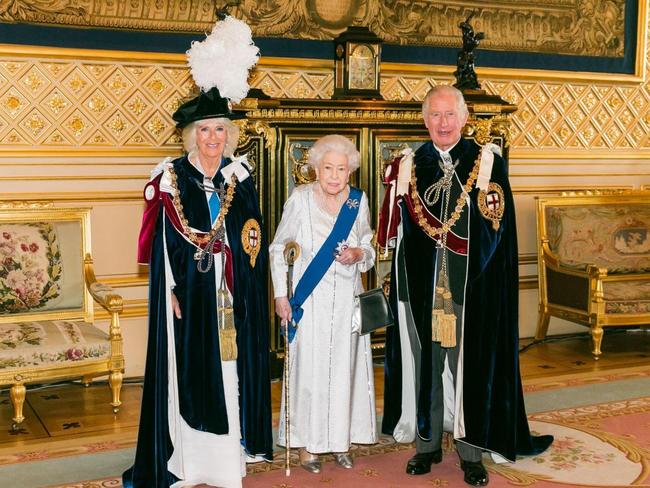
x=622, y=277
x=101, y=293
x=552, y=260
x=595, y=272
x=548, y=255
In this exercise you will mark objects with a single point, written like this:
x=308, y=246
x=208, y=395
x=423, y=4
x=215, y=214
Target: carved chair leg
x=596, y=340
x=542, y=325
x=115, y=382
x=17, y=395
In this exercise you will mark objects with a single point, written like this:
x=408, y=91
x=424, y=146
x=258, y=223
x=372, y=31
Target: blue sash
x=324, y=258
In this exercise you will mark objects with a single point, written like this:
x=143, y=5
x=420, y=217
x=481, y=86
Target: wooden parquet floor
x=70, y=415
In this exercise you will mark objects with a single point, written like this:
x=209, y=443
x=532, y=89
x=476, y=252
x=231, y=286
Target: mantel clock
x=358, y=56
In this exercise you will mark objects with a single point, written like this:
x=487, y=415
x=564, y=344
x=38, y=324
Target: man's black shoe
x=475, y=473
x=421, y=462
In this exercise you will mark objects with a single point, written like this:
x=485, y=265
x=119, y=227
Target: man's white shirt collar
x=445, y=155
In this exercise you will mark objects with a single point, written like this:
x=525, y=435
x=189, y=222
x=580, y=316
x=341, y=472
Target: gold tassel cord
x=436, y=327
x=448, y=325
x=448, y=330
x=443, y=328
x=228, y=344
x=227, y=331
x=443, y=320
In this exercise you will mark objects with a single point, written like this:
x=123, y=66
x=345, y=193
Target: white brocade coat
x=331, y=386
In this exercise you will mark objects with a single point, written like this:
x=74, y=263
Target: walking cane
x=291, y=253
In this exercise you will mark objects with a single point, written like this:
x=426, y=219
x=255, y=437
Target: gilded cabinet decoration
x=301, y=172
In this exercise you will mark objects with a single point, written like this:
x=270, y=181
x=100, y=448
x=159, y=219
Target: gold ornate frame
x=24, y=213
x=576, y=27
x=105, y=296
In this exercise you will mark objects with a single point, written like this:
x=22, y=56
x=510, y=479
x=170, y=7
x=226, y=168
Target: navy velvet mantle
x=494, y=413
x=202, y=402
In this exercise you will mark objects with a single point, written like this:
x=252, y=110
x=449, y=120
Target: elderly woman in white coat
x=331, y=386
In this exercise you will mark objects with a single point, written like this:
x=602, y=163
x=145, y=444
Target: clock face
x=362, y=67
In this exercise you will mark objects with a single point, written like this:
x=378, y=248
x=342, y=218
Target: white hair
x=460, y=99
x=232, y=135
x=334, y=143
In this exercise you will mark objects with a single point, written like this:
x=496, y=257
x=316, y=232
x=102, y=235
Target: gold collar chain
x=198, y=240
x=446, y=226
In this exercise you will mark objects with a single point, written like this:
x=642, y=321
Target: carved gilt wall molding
x=315, y=116
x=578, y=27
x=265, y=129
x=54, y=104
x=246, y=130
x=80, y=102
x=57, y=106
x=575, y=27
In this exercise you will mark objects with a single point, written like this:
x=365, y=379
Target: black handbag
x=375, y=310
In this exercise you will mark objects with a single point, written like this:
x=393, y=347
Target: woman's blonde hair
x=232, y=136
x=334, y=143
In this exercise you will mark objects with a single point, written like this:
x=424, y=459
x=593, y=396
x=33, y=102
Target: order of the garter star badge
x=491, y=203
x=251, y=237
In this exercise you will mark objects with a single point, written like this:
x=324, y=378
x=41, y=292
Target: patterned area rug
x=59, y=448
x=533, y=385
x=604, y=445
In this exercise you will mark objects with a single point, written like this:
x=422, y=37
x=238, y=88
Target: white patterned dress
x=332, y=396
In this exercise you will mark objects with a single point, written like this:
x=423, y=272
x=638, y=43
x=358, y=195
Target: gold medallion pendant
x=491, y=203
x=251, y=239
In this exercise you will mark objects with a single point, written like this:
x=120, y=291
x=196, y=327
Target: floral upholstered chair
x=594, y=261
x=47, y=287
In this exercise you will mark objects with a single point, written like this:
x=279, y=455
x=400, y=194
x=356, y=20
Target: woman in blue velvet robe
x=203, y=416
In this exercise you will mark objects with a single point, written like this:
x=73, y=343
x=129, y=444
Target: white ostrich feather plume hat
x=219, y=65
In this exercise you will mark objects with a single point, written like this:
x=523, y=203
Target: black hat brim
x=207, y=105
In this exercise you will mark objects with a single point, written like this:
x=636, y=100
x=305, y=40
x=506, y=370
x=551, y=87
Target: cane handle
x=291, y=252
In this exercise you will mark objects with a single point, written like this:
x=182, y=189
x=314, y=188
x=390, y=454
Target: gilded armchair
x=47, y=288
x=594, y=261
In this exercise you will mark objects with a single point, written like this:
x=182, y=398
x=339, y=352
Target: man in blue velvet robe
x=449, y=215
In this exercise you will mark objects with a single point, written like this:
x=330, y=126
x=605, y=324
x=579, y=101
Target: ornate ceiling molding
x=573, y=27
